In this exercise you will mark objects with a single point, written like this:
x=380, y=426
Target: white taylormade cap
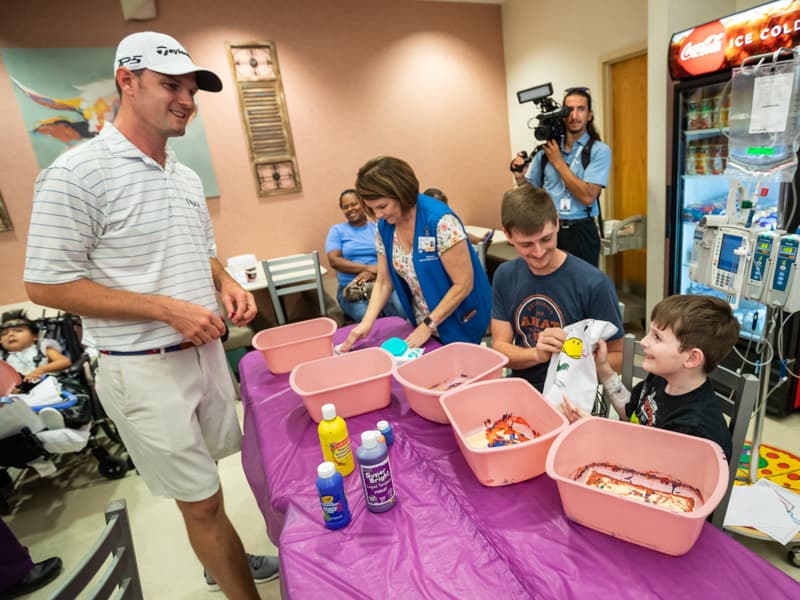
x=163, y=54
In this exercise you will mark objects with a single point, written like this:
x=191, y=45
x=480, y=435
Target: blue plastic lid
x=395, y=346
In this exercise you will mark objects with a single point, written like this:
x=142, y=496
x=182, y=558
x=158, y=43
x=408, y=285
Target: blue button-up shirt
x=568, y=206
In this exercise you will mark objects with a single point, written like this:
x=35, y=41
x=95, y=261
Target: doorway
x=627, y=82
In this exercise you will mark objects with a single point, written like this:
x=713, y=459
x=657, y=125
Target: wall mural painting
x=67, y=95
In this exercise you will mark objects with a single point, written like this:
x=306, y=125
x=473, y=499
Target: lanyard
x=578, y=148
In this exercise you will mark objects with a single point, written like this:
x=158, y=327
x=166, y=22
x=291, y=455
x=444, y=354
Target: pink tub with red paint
x=444, y=364
x=469, y=406
x=356, y=382
x=688, y=459
x=287, y=346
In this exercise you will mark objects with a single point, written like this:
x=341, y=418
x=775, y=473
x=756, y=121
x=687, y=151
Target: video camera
x=550, y=120
x=551, y=113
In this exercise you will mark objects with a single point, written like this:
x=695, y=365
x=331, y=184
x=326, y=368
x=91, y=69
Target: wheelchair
x=22, y=444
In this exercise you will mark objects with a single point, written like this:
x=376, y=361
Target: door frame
x=606, y=62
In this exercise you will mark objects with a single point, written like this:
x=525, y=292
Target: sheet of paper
x=48, y=391
x=771, y=97
x=767, y=507
x=750, y=506
x=790, y=504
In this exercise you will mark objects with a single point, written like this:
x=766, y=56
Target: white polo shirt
x=106, y=212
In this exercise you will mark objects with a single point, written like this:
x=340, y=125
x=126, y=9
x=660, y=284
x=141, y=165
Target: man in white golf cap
x=121, y=235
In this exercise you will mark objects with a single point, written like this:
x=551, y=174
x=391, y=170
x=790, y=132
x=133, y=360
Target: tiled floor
x=63, y=516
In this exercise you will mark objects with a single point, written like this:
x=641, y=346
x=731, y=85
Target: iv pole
x=770, y=333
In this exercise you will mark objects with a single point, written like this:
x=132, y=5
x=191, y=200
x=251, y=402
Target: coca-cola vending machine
x=700, y=62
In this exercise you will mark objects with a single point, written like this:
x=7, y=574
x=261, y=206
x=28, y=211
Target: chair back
x=120, y=574
x=290, y=274
x=480, y=250
x=737, y=394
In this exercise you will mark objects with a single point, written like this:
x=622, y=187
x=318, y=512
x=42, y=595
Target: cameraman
x=574, y=174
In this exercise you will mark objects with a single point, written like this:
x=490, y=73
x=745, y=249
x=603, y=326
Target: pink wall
x=421, y=80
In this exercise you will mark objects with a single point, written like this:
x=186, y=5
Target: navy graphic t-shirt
x=532, y=303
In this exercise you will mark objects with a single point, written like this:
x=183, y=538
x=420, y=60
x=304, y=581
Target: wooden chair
x=737, y=395
x=290, y=274
x=121, y=573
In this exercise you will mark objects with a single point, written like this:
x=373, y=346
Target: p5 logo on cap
x=129, y=61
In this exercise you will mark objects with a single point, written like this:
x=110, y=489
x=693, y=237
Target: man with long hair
x=573, y=170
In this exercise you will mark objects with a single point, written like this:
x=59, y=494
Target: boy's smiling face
x=17, y=338
x=662, y=352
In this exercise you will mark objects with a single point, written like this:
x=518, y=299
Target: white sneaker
x=52, y=418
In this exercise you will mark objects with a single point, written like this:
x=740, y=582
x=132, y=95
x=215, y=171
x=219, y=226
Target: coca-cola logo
x=703, y=50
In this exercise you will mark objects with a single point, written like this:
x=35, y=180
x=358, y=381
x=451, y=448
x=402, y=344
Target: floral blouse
x=449, y=231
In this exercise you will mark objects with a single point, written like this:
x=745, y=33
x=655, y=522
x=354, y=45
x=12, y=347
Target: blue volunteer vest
x=469, y=321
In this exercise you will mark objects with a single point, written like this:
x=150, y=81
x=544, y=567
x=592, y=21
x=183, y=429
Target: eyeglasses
x=579, y=90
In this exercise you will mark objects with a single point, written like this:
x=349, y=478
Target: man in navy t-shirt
x=536, y=295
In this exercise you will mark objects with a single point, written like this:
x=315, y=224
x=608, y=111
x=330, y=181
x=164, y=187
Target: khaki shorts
x=175, y=413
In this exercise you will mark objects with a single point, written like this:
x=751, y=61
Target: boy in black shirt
x=689, y=335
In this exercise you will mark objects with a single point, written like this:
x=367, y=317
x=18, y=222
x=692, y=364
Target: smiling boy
x=689, y=336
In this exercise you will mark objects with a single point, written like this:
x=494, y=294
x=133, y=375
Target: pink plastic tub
x=469, y=406
x=356, y=382
x=9, y=378
x=287, y=346
x=441, y=365
x=691, y=460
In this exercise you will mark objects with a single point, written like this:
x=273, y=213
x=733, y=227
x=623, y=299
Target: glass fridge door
x=702, y=189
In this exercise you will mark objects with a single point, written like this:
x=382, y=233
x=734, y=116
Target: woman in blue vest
x=423, y=254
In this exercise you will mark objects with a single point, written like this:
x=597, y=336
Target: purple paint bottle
x=375, y=472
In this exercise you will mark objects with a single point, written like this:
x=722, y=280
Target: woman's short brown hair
x=387, y=177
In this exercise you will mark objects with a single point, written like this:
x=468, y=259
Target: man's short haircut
x=698, y=321
x=387, y=177
x=527, y=209
x=344, y=193
x=137, y=74
x=436, y=193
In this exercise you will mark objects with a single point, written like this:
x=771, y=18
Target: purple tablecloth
x=449, y=536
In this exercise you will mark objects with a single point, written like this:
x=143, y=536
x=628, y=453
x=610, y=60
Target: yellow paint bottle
x=334, y=441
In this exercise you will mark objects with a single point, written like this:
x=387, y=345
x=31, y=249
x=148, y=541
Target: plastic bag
x=572, y=372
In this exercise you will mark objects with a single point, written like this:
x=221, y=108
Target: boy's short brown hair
x=698, y=321
x=527, y=209
x=387, y=177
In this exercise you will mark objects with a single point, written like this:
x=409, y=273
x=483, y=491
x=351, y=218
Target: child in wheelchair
x=24, y=351
x=48, y=405
x=36, y=395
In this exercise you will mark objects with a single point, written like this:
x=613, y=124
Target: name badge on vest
x=565, y=205
x=426, y=243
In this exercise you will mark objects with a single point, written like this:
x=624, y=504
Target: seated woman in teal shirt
x=350, y=247
x=424, y=255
